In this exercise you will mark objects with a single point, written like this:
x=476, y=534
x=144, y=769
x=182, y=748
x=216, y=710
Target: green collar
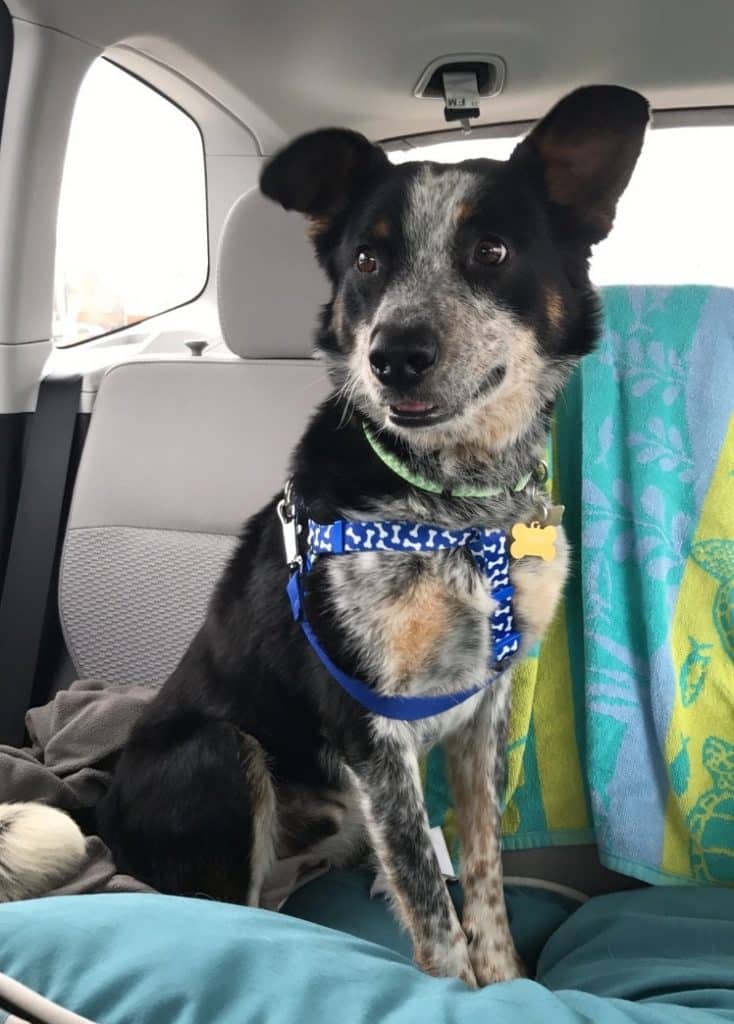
x=423, y=484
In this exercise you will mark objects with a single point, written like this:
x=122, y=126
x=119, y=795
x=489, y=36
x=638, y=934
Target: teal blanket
x=650, y=957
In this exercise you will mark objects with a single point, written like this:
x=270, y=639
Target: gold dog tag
x=533, y=540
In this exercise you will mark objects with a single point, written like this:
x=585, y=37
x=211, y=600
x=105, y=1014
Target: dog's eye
x=366, y=261
x=490, y=251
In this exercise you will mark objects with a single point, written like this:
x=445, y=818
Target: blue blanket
x=164, y=960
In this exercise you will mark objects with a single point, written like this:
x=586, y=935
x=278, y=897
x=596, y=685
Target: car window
x=132, y=229
x=676, y=219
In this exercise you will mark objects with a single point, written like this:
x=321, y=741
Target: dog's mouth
x=412, y=413
x=416, y=414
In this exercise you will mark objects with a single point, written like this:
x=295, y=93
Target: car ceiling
x=286, y=66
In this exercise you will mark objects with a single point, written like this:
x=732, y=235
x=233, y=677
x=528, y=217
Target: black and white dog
x=460, y=303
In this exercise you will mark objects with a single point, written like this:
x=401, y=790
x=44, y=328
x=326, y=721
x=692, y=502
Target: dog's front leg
x=475, y=756
x=389, y=783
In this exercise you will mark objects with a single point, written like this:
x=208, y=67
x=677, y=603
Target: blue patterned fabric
x=488, y=548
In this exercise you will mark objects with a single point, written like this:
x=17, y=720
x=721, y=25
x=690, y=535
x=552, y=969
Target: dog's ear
x=582, y=154
x=321, y=173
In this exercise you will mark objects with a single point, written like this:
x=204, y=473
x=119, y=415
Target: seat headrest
x=269, y=285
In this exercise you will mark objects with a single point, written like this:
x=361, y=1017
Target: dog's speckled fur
x=253, y=749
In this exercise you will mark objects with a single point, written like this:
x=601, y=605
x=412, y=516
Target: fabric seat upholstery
x=181, y=451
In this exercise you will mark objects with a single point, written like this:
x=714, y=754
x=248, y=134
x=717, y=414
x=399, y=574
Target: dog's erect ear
x=582, y=154
x=319, y=174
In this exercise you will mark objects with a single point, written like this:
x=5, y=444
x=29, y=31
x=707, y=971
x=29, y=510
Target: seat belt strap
x=33, y=549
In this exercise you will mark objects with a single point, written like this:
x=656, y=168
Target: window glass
x=132, y=230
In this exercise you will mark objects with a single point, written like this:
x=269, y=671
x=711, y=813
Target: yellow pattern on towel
x=699, y=828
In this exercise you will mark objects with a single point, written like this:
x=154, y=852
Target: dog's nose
x=401, y=356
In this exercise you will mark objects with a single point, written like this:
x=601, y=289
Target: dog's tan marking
x=554, y=308
x=318, y=225
x=382, y=228
x=463, y=212
x=415, y=624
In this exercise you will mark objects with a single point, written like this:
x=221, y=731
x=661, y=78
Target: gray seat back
x=179, y=453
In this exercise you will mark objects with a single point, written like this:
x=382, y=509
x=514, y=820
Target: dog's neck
x=475, y=464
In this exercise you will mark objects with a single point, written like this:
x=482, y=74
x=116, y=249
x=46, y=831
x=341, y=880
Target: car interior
x=157, y=317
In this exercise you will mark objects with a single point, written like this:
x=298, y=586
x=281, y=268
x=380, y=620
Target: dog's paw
x=493, y=967
x=494, y=960
x=448, y=959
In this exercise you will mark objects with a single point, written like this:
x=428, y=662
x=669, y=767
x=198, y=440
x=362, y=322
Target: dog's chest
x=420, y=623
x=417, y=622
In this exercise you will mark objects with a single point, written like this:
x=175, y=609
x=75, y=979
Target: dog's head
x=460, y=292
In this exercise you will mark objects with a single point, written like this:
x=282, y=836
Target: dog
x=460, y=304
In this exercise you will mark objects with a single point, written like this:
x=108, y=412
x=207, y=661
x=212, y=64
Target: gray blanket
x=74, y=740
x=73, y=743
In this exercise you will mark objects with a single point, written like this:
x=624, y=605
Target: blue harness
x=488, y=548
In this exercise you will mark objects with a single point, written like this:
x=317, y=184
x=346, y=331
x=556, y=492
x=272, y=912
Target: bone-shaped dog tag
x=533, y=540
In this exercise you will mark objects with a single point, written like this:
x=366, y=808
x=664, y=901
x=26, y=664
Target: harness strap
x=405, y=709
x=488, y=548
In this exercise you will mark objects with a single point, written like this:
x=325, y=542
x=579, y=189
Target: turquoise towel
x=657, y=565
x=622, y=727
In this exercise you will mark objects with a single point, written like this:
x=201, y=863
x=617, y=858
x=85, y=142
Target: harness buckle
x=291, y=529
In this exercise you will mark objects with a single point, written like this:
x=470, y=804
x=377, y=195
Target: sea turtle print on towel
x=711, y=822
x=716, y=557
